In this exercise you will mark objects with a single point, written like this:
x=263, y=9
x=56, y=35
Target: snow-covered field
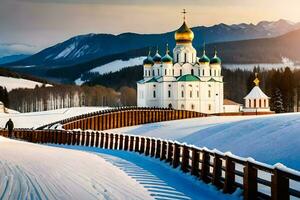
x=14, y=83
x=115, y=66
x=32, y=171
x=37, y=119
x=269, y=139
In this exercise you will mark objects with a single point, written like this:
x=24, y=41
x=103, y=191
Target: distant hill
x=88, y=47
x=12, y=58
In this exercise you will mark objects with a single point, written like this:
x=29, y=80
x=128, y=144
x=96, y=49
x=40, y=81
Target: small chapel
x=188, y=80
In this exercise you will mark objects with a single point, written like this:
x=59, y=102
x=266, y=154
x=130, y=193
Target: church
x=185, y=81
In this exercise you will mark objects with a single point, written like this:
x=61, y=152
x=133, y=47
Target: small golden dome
x=184, y=34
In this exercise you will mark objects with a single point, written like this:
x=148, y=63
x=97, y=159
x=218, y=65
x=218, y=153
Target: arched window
x=185, y=57
x=165, y=71
x=254, y=103
x=181, y=72
x=198, y=93
x=209, y=94
x=191, y=94
x=192, y=106
x=260, y=103
x=265, y=103
x=203, y=72
x=173, y=72
x=154, y=94
x=210, y=72
x=199, y=72
x=192, y=71
x=177, y=57
x=182, y=106
x=157, y=72
x=169, y=93
x=153, y=74
x=209, y=107
x=182, y=93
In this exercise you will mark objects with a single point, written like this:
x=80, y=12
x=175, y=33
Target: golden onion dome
x=184, y=34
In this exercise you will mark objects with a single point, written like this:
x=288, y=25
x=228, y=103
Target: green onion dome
x=148, y=60
x=204, y=58
x=167, y=58
x=215, y=59
x=157, y=57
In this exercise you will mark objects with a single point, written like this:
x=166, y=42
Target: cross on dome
x=256, y=80
x=184, y=12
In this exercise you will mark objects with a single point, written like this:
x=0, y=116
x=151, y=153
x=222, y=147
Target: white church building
x=184, y=81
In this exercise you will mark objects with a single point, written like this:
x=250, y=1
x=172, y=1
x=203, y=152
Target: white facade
x=184, y=81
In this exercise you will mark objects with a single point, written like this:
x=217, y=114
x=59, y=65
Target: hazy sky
x=40, y=23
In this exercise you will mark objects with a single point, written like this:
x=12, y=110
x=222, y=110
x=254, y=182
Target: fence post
x=97, y=139
x=250, y=181
x=82, y=138
x=163, y=150
x=152, y=147
x=116, y=141
x=217, y=171
x=185, y=158
x=88, y=136
x=126, y=141
x=176, y=155
x=92, y=138
x=101, y=140
x=195, y=162
x=111, y=141
x=106, y=141
x=280, y=186
x=170, y=152
x=158, y=148
x=137, y=143
x=205, y=166
x=229, y=175
x=74, y=134
x=142, y=148
x=121, y=142
x=147, y=152
x=131, y=143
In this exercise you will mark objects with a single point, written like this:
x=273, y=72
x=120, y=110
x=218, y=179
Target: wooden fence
x=122, y=117
x=225, y=171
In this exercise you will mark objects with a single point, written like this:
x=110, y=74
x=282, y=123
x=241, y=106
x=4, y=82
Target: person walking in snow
x=10, y=126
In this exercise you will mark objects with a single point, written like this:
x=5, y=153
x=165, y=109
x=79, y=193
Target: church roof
x=256, y=93
x=152, y=80
x=188, y=77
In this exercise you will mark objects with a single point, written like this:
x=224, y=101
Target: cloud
x=16, y=48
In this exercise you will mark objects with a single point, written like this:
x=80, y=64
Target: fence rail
x=122, y=117
x=225, y=171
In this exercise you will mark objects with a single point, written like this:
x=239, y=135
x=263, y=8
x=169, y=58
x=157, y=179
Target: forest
x=119, y=89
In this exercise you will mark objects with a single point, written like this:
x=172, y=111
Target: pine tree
x=277, y=101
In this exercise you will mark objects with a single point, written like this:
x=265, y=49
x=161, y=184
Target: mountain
x=12, y=58
x=84, y=48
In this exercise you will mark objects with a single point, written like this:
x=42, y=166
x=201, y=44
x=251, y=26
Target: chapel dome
x=215, y=59
x=184, y=34
x=148, y=60
x=157, y=57
x=204, y=58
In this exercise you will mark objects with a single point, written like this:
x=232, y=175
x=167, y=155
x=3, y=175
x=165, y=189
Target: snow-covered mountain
x=11, y=83
x=87, y=47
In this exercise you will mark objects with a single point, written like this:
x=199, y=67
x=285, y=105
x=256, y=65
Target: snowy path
x=160, y=179
x=32, y=171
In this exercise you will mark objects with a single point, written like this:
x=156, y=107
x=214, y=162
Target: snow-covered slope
x=14, y=83
x=114, y=66
x=37, y=119
x=268, y=139
x=31, y=171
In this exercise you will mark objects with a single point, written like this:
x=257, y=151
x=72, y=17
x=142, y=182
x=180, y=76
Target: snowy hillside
x=37, y=119
x=269, y=139
x=114, y=66
x=14, y=83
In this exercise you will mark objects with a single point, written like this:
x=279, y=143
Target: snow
x=114, y=66
x=31, y=171
x=37, y=119
x=14, y=83
x=66, y=51
x=256, y=93
x=270, y=139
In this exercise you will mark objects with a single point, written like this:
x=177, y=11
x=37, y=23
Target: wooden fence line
x=122, y=117
x=225, y=171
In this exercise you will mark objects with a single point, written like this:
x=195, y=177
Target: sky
x=31, y=25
